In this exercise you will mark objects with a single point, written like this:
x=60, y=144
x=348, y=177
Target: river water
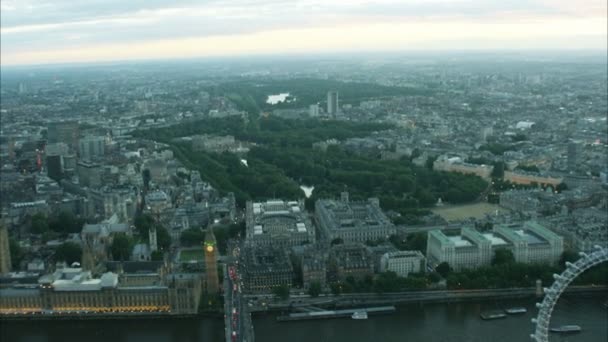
x=456, y=322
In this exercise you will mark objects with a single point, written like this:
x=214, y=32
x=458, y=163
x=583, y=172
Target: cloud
x=30, y=27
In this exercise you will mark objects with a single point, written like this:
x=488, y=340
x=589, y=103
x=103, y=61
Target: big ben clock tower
x=210, y=247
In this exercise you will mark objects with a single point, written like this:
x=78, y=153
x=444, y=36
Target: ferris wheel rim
x=562, y=281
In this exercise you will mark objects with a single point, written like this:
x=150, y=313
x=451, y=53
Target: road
x=369, y=299
x=237, y=318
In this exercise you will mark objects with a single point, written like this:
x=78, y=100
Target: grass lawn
x=460, y=212
x=195, y=254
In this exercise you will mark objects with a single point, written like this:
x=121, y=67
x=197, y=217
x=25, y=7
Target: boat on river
x=516, y=310
x=566, y=329
x=359, y=315
x=495, y=314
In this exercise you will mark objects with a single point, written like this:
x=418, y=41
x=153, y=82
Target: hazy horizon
x=414, y=57
x=61, y=31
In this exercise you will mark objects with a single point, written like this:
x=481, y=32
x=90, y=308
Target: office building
x=313, y=110
x=524, y=201
x=528, y=178
x=572, y=156
x=530, y=243
x=350, y=260
x=158, y=170
x=470, y=249
x=278, y=223
x=267, y=267
x=64, y=132
x=116, y=201
x=332, y=103
x=73, y=291
x=314, y=267
x=57, y=149
x=55, y=159
x=91, y=147
x=352, y=221
x=403, y=262
x=455, y=164
x=54, y=167
x=89, y=174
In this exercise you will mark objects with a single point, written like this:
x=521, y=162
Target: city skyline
x=44, y=32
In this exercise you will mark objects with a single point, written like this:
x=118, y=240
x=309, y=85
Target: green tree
x=192, y=237
x=519, y=137
x=163, y=238
x=145, y=174
x=529, y=168
x=335, y=288
x=430, y=161
x=281, y=292
x=433, y=277
x=417, y=241
x=387, y=282
x=39, y=224
x=499, y=170
x=425, y=197
x=157, y=256
x=121, y=247
x=69, y=252
x=568, y=256
x=443, y=268
x=143, y=223
x=337, y=241
x=65, y=222
x=315, y=289
x=17, y=253
x=503, y=256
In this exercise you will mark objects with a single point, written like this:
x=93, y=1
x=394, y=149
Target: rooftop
x=495, y=239
x=530, y=237
x=459, y=241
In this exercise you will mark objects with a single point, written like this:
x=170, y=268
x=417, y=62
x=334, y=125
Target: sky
x=66, y=31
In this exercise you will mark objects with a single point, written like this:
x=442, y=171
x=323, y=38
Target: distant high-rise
x=486, y=133
x=64, y=131
x=54, y=166
x=55, y=163
x=91, y=147
x=11, y=148
x=210, y=247
x=572, y=156
x=313, y=110
x=332, y=102
x=5, y=253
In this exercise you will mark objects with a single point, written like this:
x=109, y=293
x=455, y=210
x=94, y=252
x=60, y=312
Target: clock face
x=209, y=248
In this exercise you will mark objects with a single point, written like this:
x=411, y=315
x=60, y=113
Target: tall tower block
x=332, y=103
x=210, y=247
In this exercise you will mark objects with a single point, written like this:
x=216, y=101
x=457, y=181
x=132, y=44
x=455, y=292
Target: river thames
x=455, y=322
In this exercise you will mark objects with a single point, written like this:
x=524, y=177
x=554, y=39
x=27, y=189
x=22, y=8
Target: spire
x=5, y=253
x=210, y=251
x=87, y=261
x=210, y=237
x=152, y=239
